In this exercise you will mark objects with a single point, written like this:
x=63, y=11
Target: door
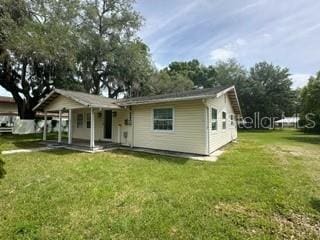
x=108, y=124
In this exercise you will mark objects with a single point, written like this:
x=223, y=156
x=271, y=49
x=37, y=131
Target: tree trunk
x=25, y=111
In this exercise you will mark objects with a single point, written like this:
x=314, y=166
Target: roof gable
x=83, y=99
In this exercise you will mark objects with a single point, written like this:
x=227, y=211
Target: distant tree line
x=93, y=46
x=310, y=103
x=264, y=88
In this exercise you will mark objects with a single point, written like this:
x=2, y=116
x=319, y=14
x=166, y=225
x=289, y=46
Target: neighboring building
x=288, y=122
x=8, y=113
x=11, y=123
x=198, y=121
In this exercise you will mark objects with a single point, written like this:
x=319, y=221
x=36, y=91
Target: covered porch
x=87, y=129
x=90, y=123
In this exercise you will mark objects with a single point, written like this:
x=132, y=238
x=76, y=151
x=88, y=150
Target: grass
x=266, y=186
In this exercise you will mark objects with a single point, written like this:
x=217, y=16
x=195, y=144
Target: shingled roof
x=85, y=99
x=90, y=100
x=186, y=95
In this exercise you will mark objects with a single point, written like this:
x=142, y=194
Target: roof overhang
x=232, y=94
x=56, y=92
x=230, y=91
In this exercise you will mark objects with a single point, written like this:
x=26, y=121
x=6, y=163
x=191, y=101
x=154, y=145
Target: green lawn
x=266, y=186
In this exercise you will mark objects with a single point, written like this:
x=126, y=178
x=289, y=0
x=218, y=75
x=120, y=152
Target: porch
x=84, y=127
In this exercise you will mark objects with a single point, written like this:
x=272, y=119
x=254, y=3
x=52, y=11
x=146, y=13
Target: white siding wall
x=221, y=136
x=84, y=132
x=61, y=102
x=119, y=128
x=189, y=131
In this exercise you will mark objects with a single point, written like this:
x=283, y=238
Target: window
x=231, y=119
x=224, y=120
x=88, y=120
x=79, y=120
x=163, y=119
x=213, y=119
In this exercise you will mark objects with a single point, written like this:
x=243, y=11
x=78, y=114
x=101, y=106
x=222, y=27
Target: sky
x=284, y=32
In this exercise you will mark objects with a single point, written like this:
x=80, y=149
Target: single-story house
x=197, y=121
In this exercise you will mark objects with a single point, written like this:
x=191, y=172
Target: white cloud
x=228, y=51
x=159, y=66
x=299, y=80
x=241, y=42
x=222, y=54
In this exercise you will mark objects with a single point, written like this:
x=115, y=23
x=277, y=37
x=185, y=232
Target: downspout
x=206, y=117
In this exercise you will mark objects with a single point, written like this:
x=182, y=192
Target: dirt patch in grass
x=296, y=226
x=291, y=226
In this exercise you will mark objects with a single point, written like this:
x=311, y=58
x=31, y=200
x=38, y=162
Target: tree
x=130, y=69
x=200, y=75
x=161, y=82
x=37, y=44
x=269, y=91
x=230, y=73
x=108, y=29
x=310, y=103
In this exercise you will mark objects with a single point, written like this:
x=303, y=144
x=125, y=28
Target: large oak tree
x=37, y=44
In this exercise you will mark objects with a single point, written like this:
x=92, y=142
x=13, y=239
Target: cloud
x=228, y=51
x=222, y=54
x=299, y=80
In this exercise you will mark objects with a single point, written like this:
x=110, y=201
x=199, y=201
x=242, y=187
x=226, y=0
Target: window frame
x=153, y=119
x=231, y=119
x=77, y=120
x=224, y=120
x=88, y=119
x=216, y=119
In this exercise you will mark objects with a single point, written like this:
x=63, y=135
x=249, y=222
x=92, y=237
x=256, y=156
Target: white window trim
x=214, y=130
x=224, y=120
x=82, y=119
x=232, y=120
x=173, y=120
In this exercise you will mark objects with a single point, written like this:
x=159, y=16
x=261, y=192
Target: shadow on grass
x=315, y=204
x=312, y=139
x=2, y=171
x=61, y=152
x=153, y=157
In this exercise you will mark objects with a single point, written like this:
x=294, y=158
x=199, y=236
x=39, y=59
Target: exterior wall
x=220, y=137
x=188, y=134
x=62, y=102
x=121, y=133
x=118, y=126
x=84, y=132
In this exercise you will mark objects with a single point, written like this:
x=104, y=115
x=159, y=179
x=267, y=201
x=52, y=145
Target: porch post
x=92, y=129
x=45, y=127
x=59, y=129
x=70, y=127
